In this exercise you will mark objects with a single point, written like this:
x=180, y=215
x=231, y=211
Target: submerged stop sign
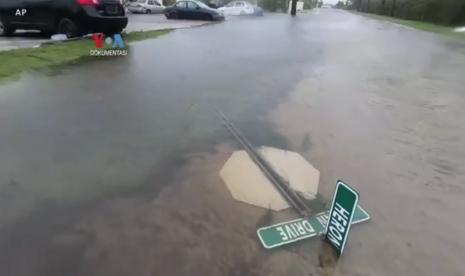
x=340, y=216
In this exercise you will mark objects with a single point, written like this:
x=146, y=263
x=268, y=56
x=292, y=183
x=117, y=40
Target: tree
x=340, y=5
x=357, y=4
x=393, y=8
x=446, y=12
x=383, y=4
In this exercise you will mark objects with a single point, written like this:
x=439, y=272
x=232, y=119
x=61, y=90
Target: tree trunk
x=293, y=7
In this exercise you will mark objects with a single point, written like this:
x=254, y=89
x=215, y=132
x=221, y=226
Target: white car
x=146, y=6
x=240, y=8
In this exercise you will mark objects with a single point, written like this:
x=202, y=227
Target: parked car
x=241, y=8
x=146, y=6
x=192, y=10
x=69, y=17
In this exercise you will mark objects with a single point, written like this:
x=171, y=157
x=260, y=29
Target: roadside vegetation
x=283, y=5
x=14, y=62
x=425, y=26
x=438, y=16
x=442, y=12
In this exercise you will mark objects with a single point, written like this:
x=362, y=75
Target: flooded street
x=112, y=167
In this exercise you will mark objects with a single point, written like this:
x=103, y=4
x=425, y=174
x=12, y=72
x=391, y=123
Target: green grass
x=424, y=26
x=138, y=36
x=15, y=62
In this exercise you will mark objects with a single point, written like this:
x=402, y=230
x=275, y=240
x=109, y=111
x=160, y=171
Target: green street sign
x=341, y=215
x=295, y=230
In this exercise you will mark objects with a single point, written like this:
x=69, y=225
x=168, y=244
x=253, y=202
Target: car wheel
x=5, y=30
x=68, y=27
x=148, y=11
x=209, y=17
x=173, y=16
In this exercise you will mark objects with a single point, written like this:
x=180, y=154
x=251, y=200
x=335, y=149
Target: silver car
x=146, y=6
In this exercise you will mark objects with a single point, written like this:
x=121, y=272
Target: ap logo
x=20, y=12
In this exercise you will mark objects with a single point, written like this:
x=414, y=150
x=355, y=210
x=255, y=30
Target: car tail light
x=88, y=2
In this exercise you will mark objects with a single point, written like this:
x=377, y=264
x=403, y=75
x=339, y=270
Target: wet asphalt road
x=93, y=130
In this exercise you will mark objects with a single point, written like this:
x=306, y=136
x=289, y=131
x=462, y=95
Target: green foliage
x=308, y=4
x=274, y=5
x=340, y=5
x=169, y=2
x=447, y=12
x=282, y=5
x=425, y=26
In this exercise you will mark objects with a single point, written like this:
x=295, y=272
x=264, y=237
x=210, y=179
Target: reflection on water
x=327, y=258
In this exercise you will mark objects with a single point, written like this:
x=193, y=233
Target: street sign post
x=341, y=215
x=299, y=229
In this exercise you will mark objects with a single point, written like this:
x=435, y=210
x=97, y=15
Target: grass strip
x=14, y=62
x=424, y=26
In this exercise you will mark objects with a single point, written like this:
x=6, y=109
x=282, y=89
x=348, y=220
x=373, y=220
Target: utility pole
x=293, y=7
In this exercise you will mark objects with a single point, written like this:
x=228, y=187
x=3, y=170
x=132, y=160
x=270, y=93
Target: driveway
x=22, y=39
x=111, y=167
x=137, y=22
x=151, y=22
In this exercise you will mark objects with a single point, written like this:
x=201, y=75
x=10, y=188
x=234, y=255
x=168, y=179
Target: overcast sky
x=330, y=1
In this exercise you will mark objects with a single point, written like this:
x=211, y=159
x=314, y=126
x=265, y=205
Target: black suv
x=70, y=17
